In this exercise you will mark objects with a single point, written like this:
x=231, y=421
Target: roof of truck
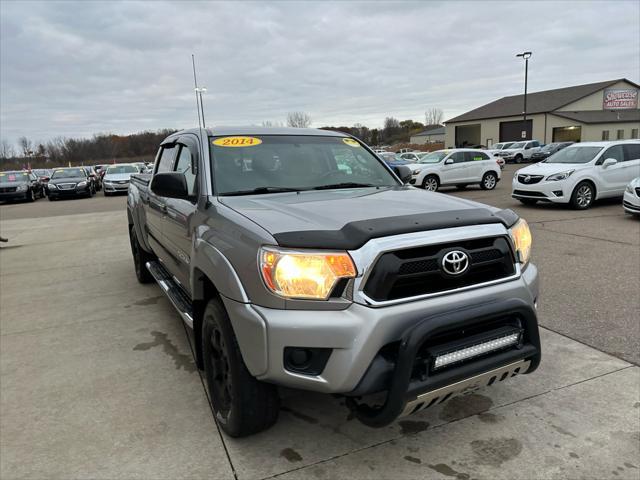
x=255, y=130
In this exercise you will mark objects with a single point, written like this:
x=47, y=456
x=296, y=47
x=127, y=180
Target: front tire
x=583, y=196
x=489, y=181
x=140, y=258
x=241, y=404
x=518, y=158
x=430, y=183
x=31, y=196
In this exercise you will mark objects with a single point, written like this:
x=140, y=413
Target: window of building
x=634, y=133
x=620, y=134
x=605, y=134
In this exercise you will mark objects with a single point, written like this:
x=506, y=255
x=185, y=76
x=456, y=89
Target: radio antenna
x=199, y=91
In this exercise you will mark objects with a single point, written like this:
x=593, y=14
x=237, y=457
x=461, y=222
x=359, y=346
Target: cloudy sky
x=78, y=68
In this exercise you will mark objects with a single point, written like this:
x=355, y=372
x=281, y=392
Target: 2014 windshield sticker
x=237, y=142
x=351, y=142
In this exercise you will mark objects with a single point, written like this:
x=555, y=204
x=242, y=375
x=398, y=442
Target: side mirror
x=608, y=162
x=170, y=184
x=448, y=161
x=403, y=172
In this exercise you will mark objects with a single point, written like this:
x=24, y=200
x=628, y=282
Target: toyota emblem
x=455, y=262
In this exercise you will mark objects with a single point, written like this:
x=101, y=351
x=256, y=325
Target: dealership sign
x=617, y=98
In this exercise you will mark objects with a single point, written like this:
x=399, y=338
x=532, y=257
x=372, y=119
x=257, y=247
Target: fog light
x=476, y=350
x=558, y=193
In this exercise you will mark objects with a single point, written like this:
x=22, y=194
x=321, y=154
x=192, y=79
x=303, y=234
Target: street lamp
x=525, y=56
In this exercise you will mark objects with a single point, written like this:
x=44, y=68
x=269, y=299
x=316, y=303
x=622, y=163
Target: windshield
x=433, y=157
x=121, y=169
x=516, y=145
x=8, y=177
x=40, y=172
x=549, y=147
x=506, y=145
x=271, y=163
x=69, y=173
x=574, y=155
x=497, y=146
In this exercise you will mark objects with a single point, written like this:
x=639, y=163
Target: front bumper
x=8, y=196
x=115, y=187
x=65, y=193
x=631, y=203
x=545, y=191
x=355, y=335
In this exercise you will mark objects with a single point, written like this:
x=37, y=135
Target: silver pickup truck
x=300, y=259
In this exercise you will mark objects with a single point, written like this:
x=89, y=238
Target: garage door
x=512, y=131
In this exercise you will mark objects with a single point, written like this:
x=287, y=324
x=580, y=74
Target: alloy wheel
x=489, y=182
x=584, y=196
x=431, y=184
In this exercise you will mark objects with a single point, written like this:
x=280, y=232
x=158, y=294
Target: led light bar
x=476, y=350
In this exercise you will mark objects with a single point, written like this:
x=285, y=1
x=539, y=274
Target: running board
x=172, y=289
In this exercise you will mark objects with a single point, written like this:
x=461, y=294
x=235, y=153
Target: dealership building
x=592, y=112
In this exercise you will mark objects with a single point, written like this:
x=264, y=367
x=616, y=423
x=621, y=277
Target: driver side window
x=613, y=152
x=183, y=165
x=457, y=157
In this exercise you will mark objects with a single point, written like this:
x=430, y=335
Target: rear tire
x=518, y=158
x=430, y=183
x=140, y=258
x=489, y=181
x=583, y=196
x=528, y=201
x=241, y=404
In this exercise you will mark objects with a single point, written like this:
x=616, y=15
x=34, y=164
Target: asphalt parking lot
x=97, y=377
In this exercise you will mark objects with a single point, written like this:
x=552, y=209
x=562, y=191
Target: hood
x=543, y=168
x=330, y=211
x=114, y=177
x=635, y=182
x=67, y=180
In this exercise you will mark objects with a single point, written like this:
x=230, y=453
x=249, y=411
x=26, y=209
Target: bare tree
x=6, y=150
x=26, y=146
x=433, y=116
x=298, y=119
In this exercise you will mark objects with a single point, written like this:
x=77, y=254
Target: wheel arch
x=431, y=174
x=590, y=181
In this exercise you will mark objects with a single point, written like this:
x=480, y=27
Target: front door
x=613, y=177
x=455, y=172
x=178, y=225
x=156, y=206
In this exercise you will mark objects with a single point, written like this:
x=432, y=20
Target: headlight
x=416, y=172
x=22, y=188
x=82, y=184
x=629, y=189
x=51, y=186
x=300, y=274
x=560, y=176
x=521, y=236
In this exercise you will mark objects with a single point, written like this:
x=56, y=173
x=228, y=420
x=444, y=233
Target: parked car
x=43, y=174
x=392, y=159
x=20, y=185
x=459, y=167
x=496, y=147
x=116, y=179
x=342, y=281
x=548, y=150
x=579, y=174
x=412, y=157
x=631, y=199
x=519, y=151
x=96, y=180
x=69, y=183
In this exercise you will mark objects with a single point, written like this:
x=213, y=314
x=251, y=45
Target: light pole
x=526, y=56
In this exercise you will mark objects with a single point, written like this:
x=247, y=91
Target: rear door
x=178, y=223
x=477, y=163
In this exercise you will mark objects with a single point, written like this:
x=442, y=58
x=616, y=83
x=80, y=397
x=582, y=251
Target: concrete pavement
x=97, y=378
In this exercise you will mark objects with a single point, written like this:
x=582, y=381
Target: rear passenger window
x=632, y=151
x=183, y=165
x=475, y=156
x=165, y=162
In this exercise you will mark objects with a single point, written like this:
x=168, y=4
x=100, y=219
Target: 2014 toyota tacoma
x=299, y=258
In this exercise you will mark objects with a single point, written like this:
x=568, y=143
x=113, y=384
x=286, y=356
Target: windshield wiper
x=346, y=185
x=260, y=190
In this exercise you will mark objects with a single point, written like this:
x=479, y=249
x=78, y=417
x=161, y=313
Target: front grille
x=529, y=179
x=418, y=271
x=66, y=186
x=529, y=194
x=631, y=206
x=8, y=189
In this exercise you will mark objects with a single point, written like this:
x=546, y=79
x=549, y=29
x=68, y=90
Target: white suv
x=519, y=151
x=579, y=174
x=459, y=167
